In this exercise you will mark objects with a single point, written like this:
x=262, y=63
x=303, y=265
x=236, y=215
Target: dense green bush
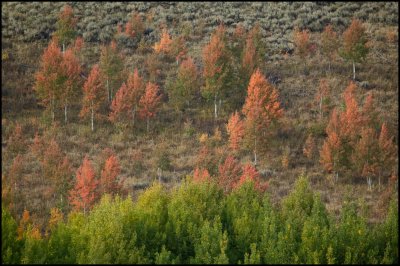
x=197, y=223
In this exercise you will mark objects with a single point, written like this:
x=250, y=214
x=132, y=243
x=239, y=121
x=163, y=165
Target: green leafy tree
x=10, y=245
x=65, y=25
x=355, y=46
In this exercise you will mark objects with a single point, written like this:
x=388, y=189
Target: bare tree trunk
x=148, y=125
x=354, y=71
x=320, y=109
x=133, y=115
x=92, y=119
x=108, y=90
x=52, y=109
x=65, y=113
x=329, y=66
x=63, y=45
x=255, y=151
x=215, y=107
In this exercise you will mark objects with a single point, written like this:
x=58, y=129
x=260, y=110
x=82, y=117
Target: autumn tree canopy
x=93, y=95
x=83, y=195
x=261, y=109
x=66, y=24
x=354, y=44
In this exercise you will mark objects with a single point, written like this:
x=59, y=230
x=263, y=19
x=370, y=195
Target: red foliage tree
x=229, y=173
x=149, y=102
x=108, y=180
x=201, y=175
x=351, y=119
x=251, y=173
x=48, y=79
x=83, y=195
x=93, y=94
x=135, y=85
x=331, y=149
x=120, y=104
x=261, y=108
x=235, y=128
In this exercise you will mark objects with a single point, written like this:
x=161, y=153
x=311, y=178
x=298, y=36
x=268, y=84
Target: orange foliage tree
x=353, y=144
x=83, y=195
x=235, y=128
x=93, y=94
x=164, y=46
x=302, y=43
x=215, y=66
x=126, y=100
x=261, y=109
x=149, y=102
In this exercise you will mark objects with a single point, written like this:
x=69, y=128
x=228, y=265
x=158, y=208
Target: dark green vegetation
x=180, y=221
x=197, y=223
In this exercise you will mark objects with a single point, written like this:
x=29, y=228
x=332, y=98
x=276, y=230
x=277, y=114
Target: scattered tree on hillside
x=249, y=172
x=354, y=44
x=93, y=94
x=329, y=44
x=261, y=109
x=164, y=46
x=48, y=78
x=235, y=129
x=66, y=24
x=108, y=182
x=182, y=91
x=322, y=97
x=302, y=43
x=149, y=102
x=215, y=68
x=309, y=147
x=111, y=67
x=229, y=174
x=71, y=70
x=83, y=195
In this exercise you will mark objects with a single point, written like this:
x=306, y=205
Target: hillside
x=180, y=136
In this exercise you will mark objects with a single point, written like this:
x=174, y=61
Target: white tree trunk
x=215, y=107
x=148, y=125
x=108, y=90
x=320, y=108
x=65, y=114
x=354, y=70
x=92, y=119
x=63, y=45
x=255, y=151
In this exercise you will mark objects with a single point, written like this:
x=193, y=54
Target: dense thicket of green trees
x=197, y=223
